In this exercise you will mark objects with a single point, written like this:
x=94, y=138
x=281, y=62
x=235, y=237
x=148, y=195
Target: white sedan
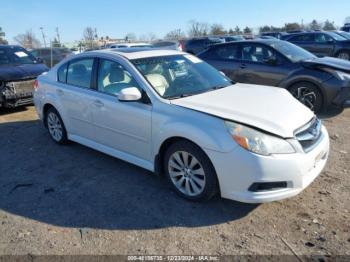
x=175, y=115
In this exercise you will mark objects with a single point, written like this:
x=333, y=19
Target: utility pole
x=42, y=32
x=58, y=35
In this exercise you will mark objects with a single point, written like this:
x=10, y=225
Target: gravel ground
x=74, y=200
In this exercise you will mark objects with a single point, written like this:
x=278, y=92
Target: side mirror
x=130, y=94
x=39, y=60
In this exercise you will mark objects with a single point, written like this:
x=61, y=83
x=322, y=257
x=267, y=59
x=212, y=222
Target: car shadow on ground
x=74, y=186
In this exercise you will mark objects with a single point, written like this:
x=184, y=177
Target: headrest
x=116, y=74
x=79, y=69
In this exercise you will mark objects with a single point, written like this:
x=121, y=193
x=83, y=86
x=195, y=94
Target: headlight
x=258, y=142
x=342, y=76
x=338, y=74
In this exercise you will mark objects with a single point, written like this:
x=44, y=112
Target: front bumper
x=239, y=169
x=16, y=94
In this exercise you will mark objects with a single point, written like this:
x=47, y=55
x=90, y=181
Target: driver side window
x=113, y=77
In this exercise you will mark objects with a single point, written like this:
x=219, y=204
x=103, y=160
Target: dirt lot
x=74, y=200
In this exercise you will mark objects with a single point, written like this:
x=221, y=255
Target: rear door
x=225, y=58
x=76, y=96
x=261, y=65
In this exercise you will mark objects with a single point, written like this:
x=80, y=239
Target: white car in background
x=173, y=114
x=128, y=45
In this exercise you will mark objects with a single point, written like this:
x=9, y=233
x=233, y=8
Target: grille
x=310, y=134
x=19, y=89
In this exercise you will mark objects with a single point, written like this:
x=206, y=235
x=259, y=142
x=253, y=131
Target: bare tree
x=217, y=29
x=292, y=26
x=90, y=37
x=197, y=29
x=175, y=34
x=237, y=30
x=27, y=40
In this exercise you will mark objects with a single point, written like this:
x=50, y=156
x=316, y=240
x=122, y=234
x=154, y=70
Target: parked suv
x=18, y=71
x=197, y=45
x=58, y=54
x=346, y=27
x=316, y=82
x=322, y=43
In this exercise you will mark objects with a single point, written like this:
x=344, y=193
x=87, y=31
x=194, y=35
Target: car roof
x=136, y=53
x=261, y=41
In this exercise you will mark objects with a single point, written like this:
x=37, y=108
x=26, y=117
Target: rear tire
x=55, y=126
x=309, y=95
x=190, y=171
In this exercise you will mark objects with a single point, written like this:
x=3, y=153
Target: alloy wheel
x=305, y=96
x=186, y=173
x=55, y=127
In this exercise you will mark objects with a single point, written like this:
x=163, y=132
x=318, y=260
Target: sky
x=119, y=17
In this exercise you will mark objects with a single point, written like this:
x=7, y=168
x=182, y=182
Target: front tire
x=55, y=126
x=309, y=95
x=190, y=171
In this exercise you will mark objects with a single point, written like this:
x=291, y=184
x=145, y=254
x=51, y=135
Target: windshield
x=15, y=56
x=336, y=36
x=180, y=75
x=293, y=52
x=345, y=35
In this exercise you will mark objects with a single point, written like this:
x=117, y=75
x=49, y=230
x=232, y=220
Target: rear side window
x=62, y=73
x=227, y=52
x=79, y=72
x=302, y=38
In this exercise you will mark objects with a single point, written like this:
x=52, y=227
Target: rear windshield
x=15, y=56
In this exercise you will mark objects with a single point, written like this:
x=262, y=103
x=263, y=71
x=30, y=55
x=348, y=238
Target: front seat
x=158, y=82
x=116, y=78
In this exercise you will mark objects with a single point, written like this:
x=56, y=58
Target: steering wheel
x=181, y=85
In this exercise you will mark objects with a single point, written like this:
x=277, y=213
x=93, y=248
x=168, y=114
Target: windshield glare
x=337, y=37
x=293, y=52
x=10, y=56
x=180, y=75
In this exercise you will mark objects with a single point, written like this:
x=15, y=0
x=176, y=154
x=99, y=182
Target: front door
x=260, y=65
x=124, y=126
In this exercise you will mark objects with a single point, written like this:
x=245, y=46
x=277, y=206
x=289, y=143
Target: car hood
x=271, y=109
x=329, y=62
x=20, y=72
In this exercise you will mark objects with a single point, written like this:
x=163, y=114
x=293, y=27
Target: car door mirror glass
x=130, y=94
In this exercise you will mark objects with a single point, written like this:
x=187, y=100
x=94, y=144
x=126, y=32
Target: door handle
x=243, y=66
x=59, y=92
x=98, y=103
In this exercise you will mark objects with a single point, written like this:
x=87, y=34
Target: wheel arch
x=46, y=108
x=159, y=157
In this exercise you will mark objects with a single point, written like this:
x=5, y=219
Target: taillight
x=36, y=84
x=181, y=46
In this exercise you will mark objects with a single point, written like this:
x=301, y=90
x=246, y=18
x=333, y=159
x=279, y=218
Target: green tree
x=328, y=26
x=238, y=30
x=247, y=30
x=314, y=25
